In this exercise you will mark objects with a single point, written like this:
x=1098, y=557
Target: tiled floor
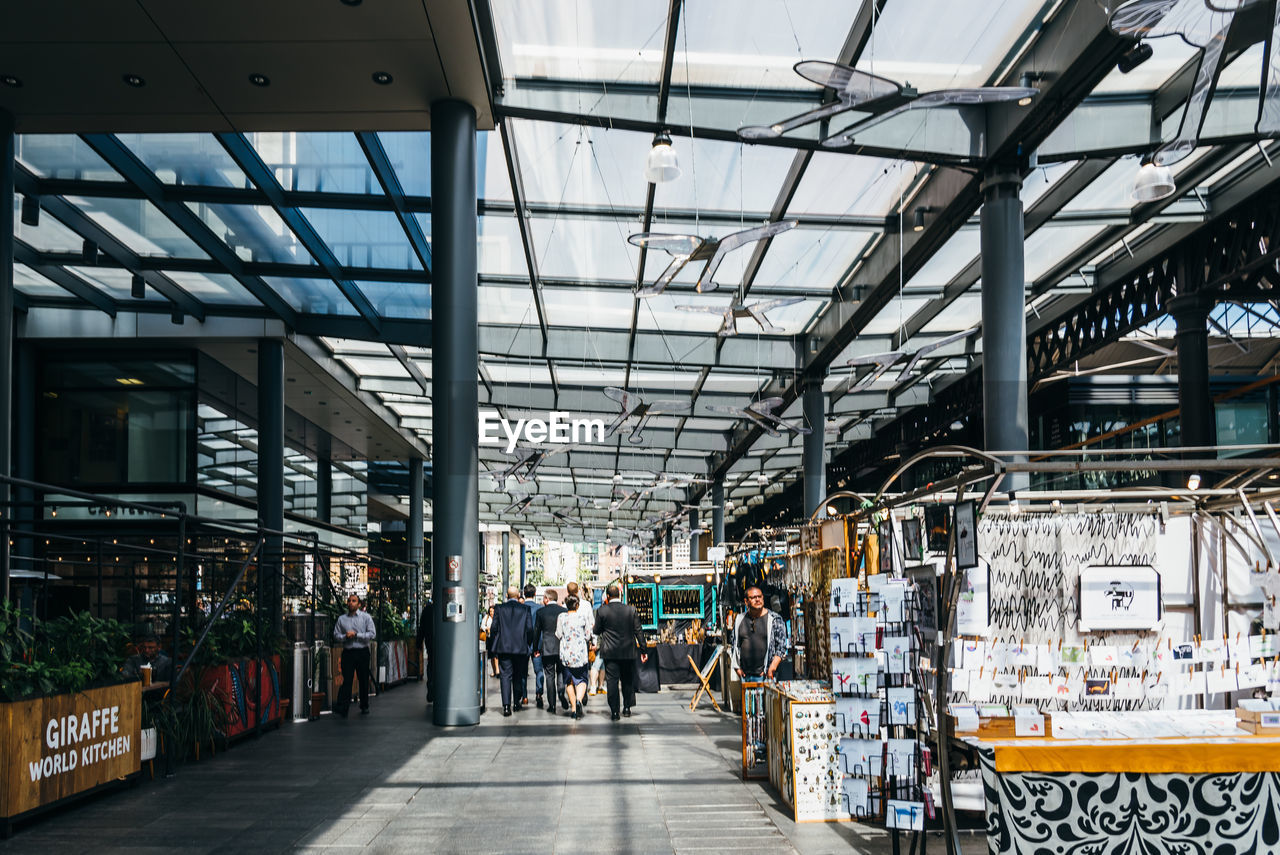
x=664, y=781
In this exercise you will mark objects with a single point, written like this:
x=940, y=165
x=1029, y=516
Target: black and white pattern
x=1073, y=813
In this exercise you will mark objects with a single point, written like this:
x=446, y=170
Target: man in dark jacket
x=531, y=603
x=546, y=648
x=513, y=633
x=618, y=626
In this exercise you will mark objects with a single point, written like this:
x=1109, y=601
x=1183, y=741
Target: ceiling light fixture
x=1193, y=481
x=1027, y=81
x=831, y=511
x=382, y=78
x=1136, y=55
x=1152, y=183
x=917, y=222
x=259, y=79
x=10, y=80
x=662, y=165
x=31, y=210
x=89, y=252
x=177, y=317
x=138, y=287
x=134, y=80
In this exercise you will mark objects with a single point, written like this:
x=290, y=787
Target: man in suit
x=546, y=649
x=618, y=626
x=530, y=600
x=513, y=633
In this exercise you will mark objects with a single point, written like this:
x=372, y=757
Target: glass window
x=852, y=185
x=812, y=259
x=720, y=176
x=399, y=299
x=28, y=282
x=213, y=288
x=311, y=296
x=410, y=156
x=587, y=249
x=323, y=162
x=364, y=238
x=580, y=165
x=139, y=225
x=498, y=304
x=197, y=159
x=49, y=236
x=62, y=156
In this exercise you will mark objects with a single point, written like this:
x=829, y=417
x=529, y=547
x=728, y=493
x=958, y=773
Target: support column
x=1004, y=322
x=455, y=419
x=24, y=453
x=694, y=535
x=717, y=512
x=815, y=464
x=7, y=153
x=524, y=567
x=669, y=559
x=506, y=565
x=413, y=537
x=324, y=479
x=271, y=473
x=1196, y=421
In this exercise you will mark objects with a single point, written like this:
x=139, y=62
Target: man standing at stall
x=356, y=631
x=618, y=625
x=759, y=639
x=512, y=634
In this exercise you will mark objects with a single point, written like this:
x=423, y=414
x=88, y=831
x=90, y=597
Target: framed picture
x=973, y=608
x=911, y=544
x=937, y=523
x=885, y=531
x=925, y=578
x=966, y=535
x=1119, y=597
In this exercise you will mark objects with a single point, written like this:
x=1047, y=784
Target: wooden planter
x=237, y=683
x=46, y=758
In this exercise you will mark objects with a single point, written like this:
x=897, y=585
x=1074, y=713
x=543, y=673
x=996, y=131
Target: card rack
x=877, y=681
x=754, y=737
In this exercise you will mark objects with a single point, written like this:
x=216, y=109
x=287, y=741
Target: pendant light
x=1152, y=183
x=662, y=164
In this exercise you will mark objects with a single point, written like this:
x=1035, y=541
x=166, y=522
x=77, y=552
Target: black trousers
x=511, y=667
x=355, y=663
x=554, y=676
x=620, y=671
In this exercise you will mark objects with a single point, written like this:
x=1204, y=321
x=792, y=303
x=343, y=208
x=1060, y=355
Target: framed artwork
x=937, y=522
x=911, y=543
x=973, y=609
x=885, y=530
x=925, y=578
x=966, y=535
x=1119, y=597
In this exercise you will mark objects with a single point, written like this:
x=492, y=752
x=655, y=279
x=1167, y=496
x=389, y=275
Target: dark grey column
x=7, y=152
x=324, y=479
x=455, y=419
x=669, y=559
x=413, y=536
x=693, y=534
x=524, y=566
x=717, y=512
x=1004, y=323
x=271, y=472
x=1191, y=313
x=506, y=565
x=815, y=464
x=24, y=451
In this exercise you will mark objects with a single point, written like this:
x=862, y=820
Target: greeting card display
x=1119, y=598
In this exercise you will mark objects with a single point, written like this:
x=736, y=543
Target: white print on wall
x=1117, y=597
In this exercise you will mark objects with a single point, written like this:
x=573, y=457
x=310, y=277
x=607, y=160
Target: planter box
x=393, y=663
x=46, y=758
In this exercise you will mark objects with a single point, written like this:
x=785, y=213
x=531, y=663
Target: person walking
x=618, y=626
x=513, y=633
x=574, y=632
x=356, y=632
x=426, y=637
x=486, y=626
x=530, y=601
x=546, y=651
x=759, y=639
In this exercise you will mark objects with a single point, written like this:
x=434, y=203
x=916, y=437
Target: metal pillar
x=7, y=152
x=669, y=555
x=24, y=453
x=271, y=474
x=693, y=535
x=815, y=464
x=324, y=479
x=455, y=457
x=524, y=567
x=1004, y=323
x=506, y=565
x=413, y=536
x=717, y=512
x=1191, y=314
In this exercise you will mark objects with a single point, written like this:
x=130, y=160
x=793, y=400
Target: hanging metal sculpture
x=527, y=461
x=879, y=96
x=1212, y=26
x=635, y=408
x=741, y=310
x=761, y=414
x=882, y=362
x=684, y=249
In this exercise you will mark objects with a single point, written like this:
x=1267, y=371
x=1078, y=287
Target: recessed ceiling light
x=351, y=2
x=134, y=80
x=259, y=80
x=10, y=80
x=381, y=78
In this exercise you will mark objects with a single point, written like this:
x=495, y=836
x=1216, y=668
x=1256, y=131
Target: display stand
x=803, y=762
x=755, y=755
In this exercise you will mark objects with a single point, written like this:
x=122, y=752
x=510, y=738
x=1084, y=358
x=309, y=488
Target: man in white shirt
x=356, y=632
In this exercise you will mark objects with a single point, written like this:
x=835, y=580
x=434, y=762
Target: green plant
x=189, y=716
x=67, y=654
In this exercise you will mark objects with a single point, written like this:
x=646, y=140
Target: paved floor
x=664, y=781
